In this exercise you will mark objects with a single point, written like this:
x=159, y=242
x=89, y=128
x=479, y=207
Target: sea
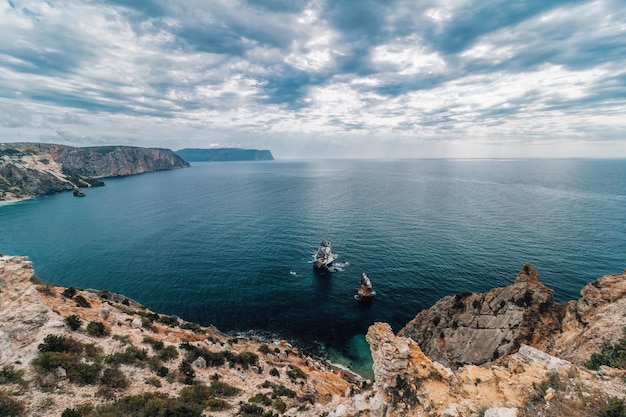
x=231, y=244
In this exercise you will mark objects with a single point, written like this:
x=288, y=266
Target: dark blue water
x=217, y=243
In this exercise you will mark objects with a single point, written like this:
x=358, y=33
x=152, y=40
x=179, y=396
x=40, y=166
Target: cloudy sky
x=319, y=78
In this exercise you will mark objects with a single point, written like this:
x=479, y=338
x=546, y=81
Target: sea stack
x=365, y=288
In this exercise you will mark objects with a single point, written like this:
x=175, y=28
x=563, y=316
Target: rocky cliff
x=474, y=329
x=96, y=353
x=31, y=169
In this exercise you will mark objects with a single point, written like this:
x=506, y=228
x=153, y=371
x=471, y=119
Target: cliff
x=224, y=154
x=32, y=169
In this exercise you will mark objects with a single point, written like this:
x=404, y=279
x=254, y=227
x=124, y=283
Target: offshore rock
x=478, y=328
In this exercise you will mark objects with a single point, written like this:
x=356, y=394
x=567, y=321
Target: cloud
x=260, y=73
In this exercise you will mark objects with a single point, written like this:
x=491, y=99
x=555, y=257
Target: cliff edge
x=32, y=169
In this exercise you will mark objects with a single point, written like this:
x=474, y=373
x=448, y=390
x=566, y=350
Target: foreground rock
x=478, y=328
x=32, y=169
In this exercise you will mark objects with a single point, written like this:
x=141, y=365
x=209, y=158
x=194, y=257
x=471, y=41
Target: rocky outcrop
x=598, y=316
x=477, y=328
x=31, y=169
x=408, y=383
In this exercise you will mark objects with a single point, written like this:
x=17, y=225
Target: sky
x=320, y=78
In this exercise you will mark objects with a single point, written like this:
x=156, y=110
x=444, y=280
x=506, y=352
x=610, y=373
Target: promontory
x=32, y=169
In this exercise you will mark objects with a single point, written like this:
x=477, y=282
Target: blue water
x=219, y=243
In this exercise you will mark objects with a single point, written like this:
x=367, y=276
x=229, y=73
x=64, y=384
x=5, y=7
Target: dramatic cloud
x=319, y=78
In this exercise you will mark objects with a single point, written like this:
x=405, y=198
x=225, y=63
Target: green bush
x=130, y=356
x=195, y=394
x=245, y=359
x=613, y=355
x=274, y=372
x=149, y=404
x=10, y=406
x=154, y=381
x=97, y=329
x=296, y=373
x=82, y=302
x=114, y=378
x=74, y=322
x=615, y=407
x=260, y=398
x=264, y=349
x=69, y=292
x=187, y=372
x=54, y=343
x=221, y=389
x=168, y=353
x=8, y=375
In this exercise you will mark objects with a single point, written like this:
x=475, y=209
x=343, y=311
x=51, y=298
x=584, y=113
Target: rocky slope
x=281, y=378
x=532, y=364
x=31, y=169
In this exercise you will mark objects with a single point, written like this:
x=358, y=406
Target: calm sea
x=231, y=244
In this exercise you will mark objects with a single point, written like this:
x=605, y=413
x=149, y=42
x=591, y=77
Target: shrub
x=163, y=371
x=114, y=378
x=71, y=412
x=74, y=322
x=69, y=292
x=215, y=404
x=250, y=410
x=260, y=398
x=195, y=394
x=283, y=391
x=279, y=405
x=82, y=302
x=154, y=381
x=97, y=329
x=168, y=353
x=187, y=372
x=157, y=345
x=264, y=349
x=246, y=359
x=615, y=407
x=613, y=355
x=8, y=375
x=274, y=372
x=130, y=356
x=221, y=389
x=295, y=373
x=10, y=406
x=54, y=343
x=148, y=404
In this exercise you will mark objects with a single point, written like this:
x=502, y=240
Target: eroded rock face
x=408, y=383
x=598, y=316
x=478, y=328
x=22, y=314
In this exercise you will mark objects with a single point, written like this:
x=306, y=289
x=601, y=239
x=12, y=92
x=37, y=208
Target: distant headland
x=224, y=154
x=32, y=169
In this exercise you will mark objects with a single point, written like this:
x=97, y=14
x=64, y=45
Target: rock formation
x=477, y=328
x=31, y=169
x=365, y=288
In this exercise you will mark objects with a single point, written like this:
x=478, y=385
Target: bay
x=231, y=244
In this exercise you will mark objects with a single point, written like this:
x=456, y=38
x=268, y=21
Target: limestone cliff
x=31, y=169
x=476, y=328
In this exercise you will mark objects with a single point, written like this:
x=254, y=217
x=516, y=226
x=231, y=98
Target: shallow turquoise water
x=218, y=243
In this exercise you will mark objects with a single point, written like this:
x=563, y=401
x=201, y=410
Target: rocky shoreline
x=510, y=352
x=32, y=169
